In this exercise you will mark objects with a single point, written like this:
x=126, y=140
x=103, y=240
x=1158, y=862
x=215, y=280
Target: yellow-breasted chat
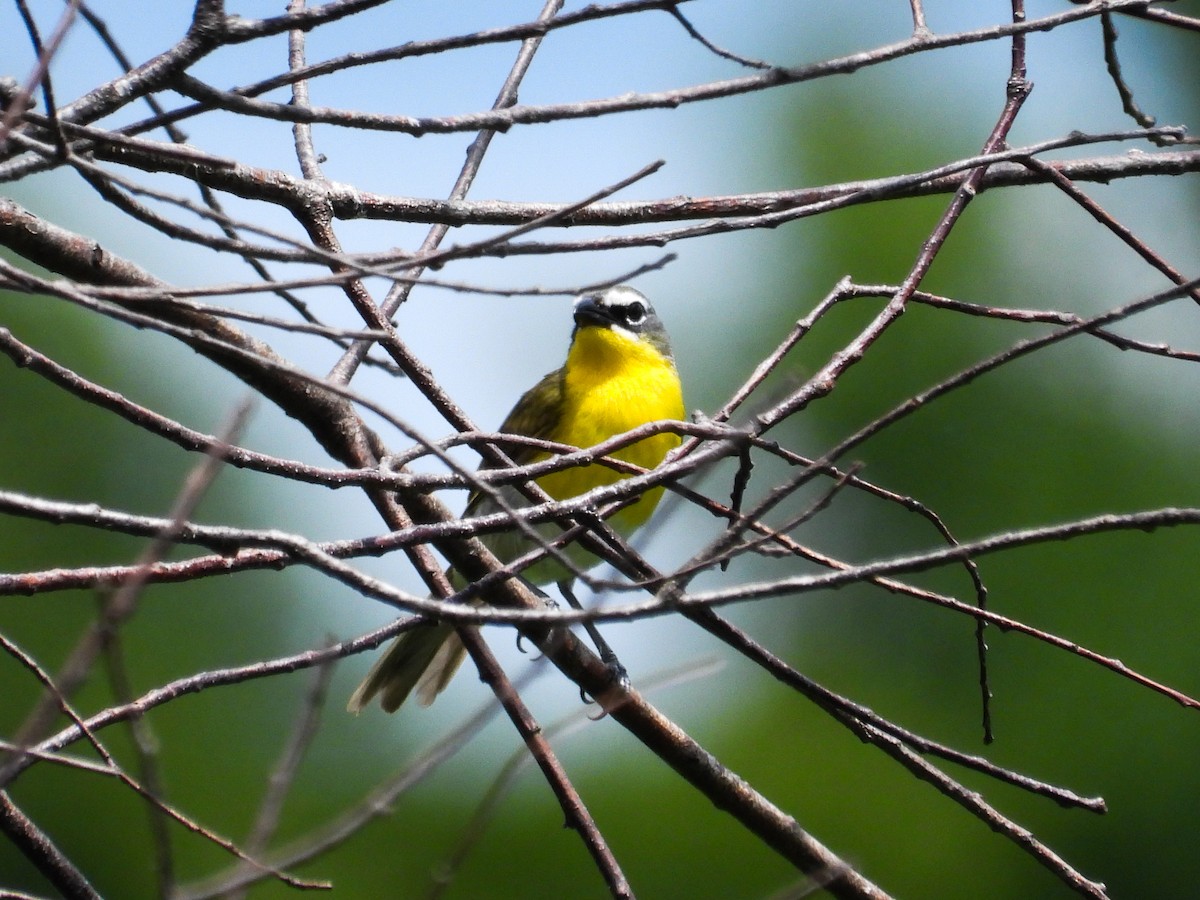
x=619, y=374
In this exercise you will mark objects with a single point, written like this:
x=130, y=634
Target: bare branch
x=41, y=850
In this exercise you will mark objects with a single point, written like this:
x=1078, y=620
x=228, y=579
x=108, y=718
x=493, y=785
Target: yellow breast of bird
x=614, y=383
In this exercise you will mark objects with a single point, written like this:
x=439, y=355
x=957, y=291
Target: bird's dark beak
x=590, y=311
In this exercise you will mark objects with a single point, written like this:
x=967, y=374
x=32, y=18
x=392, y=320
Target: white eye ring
x=635, y=313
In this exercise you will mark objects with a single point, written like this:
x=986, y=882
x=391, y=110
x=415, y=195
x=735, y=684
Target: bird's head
x=624, y=312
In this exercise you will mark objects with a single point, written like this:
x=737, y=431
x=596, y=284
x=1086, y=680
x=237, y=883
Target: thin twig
x=283, y=775
x=520, y=760
x=506, y=98
x=122, y=602
x=502, y=119
x=1097, y=212
x=39, y=74
x=378, y=803
x=537, y=744
x=149, y=771
x=709, y=45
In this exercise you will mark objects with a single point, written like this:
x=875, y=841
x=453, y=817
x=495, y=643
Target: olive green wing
x=537, y=415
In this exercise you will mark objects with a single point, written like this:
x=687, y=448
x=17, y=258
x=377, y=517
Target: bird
x=619, y=374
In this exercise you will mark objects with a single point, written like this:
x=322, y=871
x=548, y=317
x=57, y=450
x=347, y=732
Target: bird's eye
x=635, y=313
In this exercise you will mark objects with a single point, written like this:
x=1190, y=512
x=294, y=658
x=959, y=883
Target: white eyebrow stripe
x=622, y=295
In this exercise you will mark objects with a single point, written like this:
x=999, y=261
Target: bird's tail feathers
x=424, y=658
